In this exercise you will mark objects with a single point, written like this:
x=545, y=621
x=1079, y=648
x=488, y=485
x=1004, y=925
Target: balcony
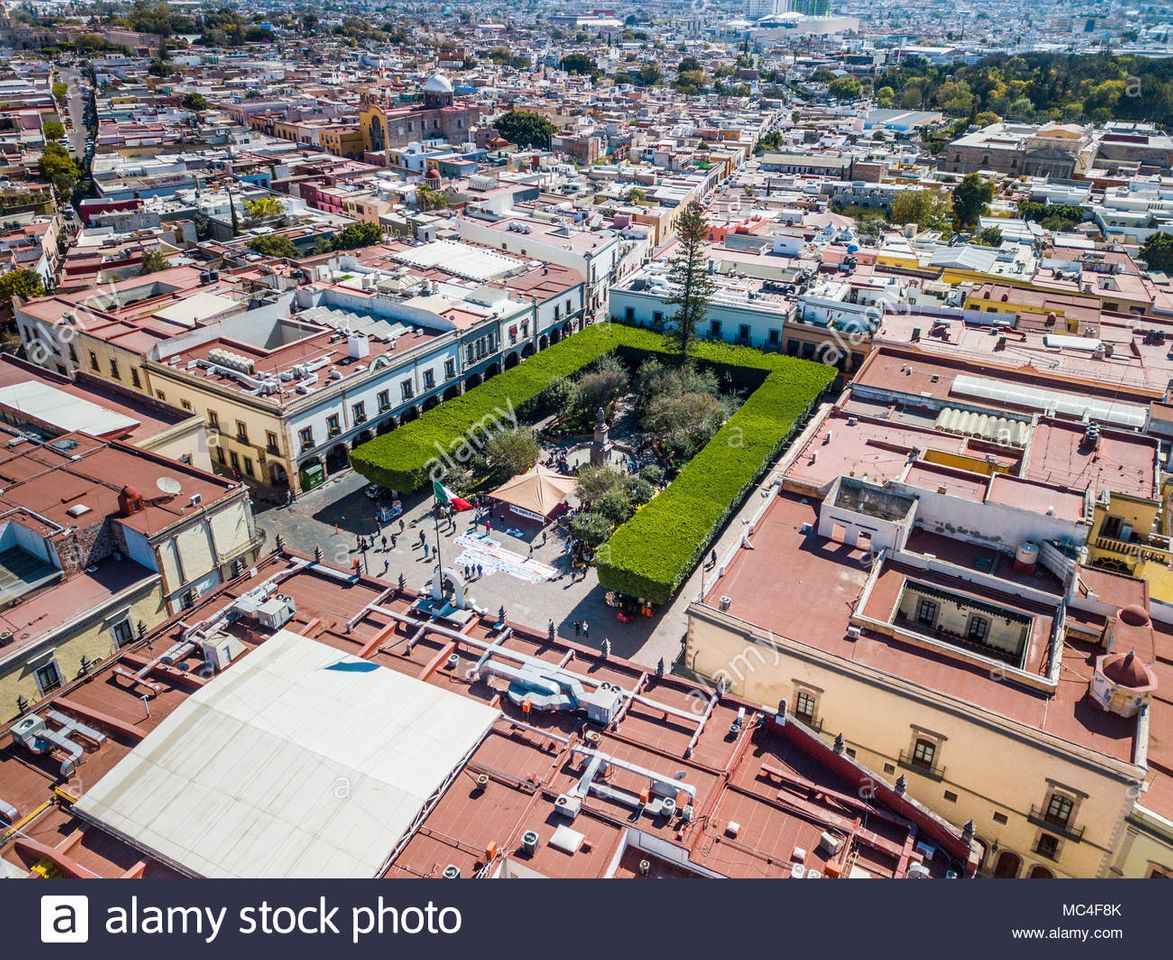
x=1039, y=819
x=909, y=762
x=1152, y=548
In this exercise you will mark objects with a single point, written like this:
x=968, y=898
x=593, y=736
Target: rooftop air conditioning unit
x=277, y=611
x=220, y=650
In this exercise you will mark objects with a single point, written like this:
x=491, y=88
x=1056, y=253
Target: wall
x=992, y=765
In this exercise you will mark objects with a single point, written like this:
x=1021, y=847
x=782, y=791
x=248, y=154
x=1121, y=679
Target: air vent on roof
x=77, y=510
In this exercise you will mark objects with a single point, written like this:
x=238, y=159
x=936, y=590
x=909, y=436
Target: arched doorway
x=527, y=350
x=543, y=342
x=1039, y=872
x=492, y=370
x=277, y=475
x=1007, y=866
x=363, y=437
x=452, y=393
x=432, y=401
x=385, y=425
x=567, y=330
x=411, y=413
x=338, y=458
x=511, y=361
x=473, y=380
x=378, y=134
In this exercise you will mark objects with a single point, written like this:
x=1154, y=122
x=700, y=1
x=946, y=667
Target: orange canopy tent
x=536, y=494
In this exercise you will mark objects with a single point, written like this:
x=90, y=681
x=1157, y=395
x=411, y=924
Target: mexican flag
x=448, y=498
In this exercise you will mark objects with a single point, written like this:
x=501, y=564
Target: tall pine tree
x=690, y=276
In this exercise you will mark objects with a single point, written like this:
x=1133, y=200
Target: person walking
x=577, y=629
x=586, y=630
x=488, y=527
x=384, y=543
x=480, y=571
x=423, y=538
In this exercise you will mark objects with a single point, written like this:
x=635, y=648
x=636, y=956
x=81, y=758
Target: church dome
x=438, y=83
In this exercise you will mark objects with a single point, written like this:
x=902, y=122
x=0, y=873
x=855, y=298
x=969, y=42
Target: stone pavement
x=335, y=514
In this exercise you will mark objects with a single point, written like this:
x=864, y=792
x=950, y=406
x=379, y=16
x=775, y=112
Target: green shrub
x=652, y=553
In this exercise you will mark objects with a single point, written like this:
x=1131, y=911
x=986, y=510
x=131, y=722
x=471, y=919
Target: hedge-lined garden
x=651, y=554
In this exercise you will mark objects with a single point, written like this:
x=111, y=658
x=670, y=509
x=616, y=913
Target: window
x=629, y=314
x=743, y=332
x=926, y=612
x=306, y=437
x=186, y=404
x=220, y=453
x=332, y=425
x=889, y=768
x=360, y=412
x=924, y=753
x=805, y=704
x=449, y=369
x=48, y=677
x=114, y=369
x=161, y=395
x=213, y=420
x=1001, y=818
x=232, y=455
x=241, y=431
x=384, y=400
x=72, y=353
x=950, y=796
x=774, y=337
x=271, y=442
x=979, y=628
x=93, y=361
x=406, y=389
x=123, y=632
x=1047, y=846
x=1059, y=809
x=248, y=467
x=429, y=379
x=715, y=328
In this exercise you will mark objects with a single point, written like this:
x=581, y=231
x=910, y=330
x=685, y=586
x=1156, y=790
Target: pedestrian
x=427, y=550
x=288, y=498
x=394, y=538
x=713, y=558
x=488, y=527
x=423, y=537
x=543, y=538
x=586, y=630
x=480, y=571
x=384, y=543
x=402, y=526
x=386, y=566
x=531, y=550
x=577, y=629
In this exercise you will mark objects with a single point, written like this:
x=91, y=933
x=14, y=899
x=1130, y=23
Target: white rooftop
x=459, y=259
x=197, y=307
x=64, y=411
x=298, y=761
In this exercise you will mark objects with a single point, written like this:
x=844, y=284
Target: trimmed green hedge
x=400, y=460
x=651, y=554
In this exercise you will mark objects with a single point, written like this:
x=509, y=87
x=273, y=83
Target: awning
x=538, y=492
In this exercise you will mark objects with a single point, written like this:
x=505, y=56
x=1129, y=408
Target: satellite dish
x=168, y=485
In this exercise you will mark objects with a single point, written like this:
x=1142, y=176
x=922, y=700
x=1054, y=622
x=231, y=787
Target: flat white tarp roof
x=297, y=761
x=459, y=259
x=64, y=410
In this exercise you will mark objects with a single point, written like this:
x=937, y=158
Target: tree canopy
x=526, y=128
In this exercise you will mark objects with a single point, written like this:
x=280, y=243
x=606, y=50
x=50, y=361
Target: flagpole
x=439, y=562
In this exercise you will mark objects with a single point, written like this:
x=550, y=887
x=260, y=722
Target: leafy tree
x=274, y=245
x=614, y=505
x=1157, y=252
x=885, y=98
x=595, y=481
x=690, y=65
x=53, y=129
x=600, y=386
x=153, y=262
x=355, y=235
x=526, y=128
x=989, y=237
x=925, y=208
x=971, y=198
x=263, y=208
x=845, y=88
x=59, y=168
x=60, y=92
x=580, y=64
x=591, y=528
x=648, y=75
x=25, y=284
x=195, y=101
x=822, y=75
x=690, y=82
x=691, y=277
x=510, y=452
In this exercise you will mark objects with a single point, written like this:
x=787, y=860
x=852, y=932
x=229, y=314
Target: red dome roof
x=1126, y=670
x=1134, y=615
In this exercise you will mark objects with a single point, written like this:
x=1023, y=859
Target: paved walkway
x=335, y=514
